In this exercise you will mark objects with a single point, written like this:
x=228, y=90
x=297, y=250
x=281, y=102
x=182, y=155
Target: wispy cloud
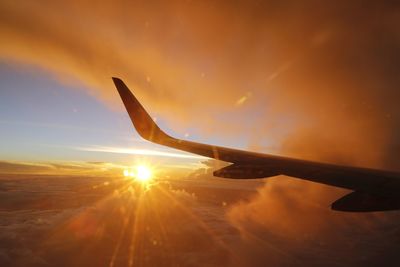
x=60, y=168
x=143, y=152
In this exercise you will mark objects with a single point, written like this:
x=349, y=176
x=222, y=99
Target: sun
x=141, y=173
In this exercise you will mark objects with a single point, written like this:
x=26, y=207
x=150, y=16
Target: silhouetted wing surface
x=248, y=165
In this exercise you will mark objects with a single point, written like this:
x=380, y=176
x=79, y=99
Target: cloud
x=323, y=80
x=289, y=223
x=143, y=152
x=91, y=220
x=325, y=70
x=80, y=220
x=13, y=167
x=60, y=168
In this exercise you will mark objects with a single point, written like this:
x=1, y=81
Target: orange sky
x=311, y=79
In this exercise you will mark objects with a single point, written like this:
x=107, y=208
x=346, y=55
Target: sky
x=264, y=76
x=311, y=79
x=44, y=120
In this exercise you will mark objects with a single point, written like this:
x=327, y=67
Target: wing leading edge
x=374, y=189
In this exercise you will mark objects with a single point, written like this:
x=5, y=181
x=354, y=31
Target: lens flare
x=141, y=173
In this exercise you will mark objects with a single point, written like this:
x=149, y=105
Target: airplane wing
x=374, y=190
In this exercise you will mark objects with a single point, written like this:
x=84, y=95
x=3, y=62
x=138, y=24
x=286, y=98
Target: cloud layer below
x=92, y=221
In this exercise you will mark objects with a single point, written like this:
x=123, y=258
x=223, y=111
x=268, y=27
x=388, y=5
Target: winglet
x=141, y=120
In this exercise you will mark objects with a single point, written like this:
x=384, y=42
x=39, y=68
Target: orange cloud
x=61, y=168
x=289, y=223
x=322, y=76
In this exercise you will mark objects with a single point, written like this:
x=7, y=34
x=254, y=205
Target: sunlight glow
x=141, y=173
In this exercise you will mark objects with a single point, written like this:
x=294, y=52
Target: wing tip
x=141, y=120
x=118, y=82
